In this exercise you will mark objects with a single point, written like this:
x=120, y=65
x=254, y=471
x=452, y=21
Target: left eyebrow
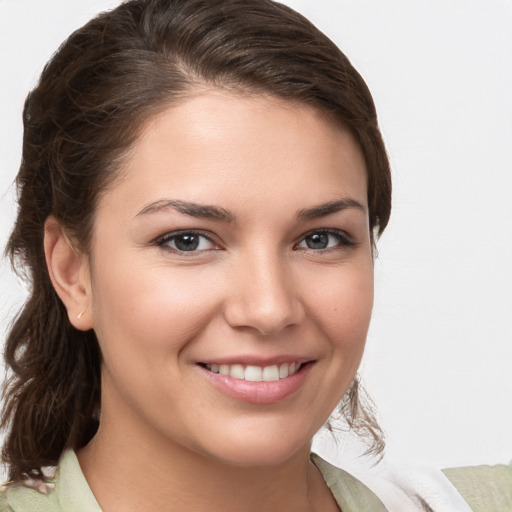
x=324, y=209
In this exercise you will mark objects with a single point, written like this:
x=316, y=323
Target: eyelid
x=162, y=240
x=345, y=240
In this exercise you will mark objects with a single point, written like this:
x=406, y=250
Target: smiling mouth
x=252, y=373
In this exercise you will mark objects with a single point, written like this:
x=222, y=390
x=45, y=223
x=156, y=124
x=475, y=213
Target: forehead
x=220, y=146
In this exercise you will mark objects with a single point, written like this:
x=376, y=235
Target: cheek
x=151, y=308
x=344, y=303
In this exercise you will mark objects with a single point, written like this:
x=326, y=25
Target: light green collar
x=73, y=494
x=350, y=493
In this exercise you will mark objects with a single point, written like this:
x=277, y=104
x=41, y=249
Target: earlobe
x=69, y=273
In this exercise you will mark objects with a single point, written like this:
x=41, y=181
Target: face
x=231, y=278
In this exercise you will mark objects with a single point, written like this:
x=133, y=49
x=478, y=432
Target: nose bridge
x=264, y=293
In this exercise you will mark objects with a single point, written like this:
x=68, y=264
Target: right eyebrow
x=203, y=211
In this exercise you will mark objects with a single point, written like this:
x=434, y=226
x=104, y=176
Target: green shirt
x=485, y=488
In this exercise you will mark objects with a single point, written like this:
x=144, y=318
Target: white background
x=439, y=356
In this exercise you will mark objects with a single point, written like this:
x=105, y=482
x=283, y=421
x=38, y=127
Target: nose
x=264, y=295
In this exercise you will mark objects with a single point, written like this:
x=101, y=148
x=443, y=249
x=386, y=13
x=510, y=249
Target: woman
x=201, y=189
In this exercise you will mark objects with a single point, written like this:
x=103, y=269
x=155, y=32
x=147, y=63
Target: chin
x=262, y=450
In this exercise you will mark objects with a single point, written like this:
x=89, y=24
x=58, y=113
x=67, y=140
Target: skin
x=169, y=439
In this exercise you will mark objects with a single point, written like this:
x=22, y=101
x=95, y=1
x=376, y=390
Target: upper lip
x=255, y=360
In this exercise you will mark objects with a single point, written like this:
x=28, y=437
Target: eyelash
x=164, y=241
x=341, y=237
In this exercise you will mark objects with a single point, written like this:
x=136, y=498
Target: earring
x=80, y=314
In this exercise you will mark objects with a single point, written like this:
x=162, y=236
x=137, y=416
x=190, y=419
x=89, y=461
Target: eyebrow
x=324, y=209
x=217, y=213
x=188, y=208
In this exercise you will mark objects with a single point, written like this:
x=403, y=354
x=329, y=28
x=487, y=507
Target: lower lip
x=258, y=392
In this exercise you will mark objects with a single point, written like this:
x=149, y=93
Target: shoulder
x=349, y=492
x=67, y=490
x=485, y=488
x=389, y=486
x=4, y=505
x=19, y=497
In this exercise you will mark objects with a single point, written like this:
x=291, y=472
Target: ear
x=69, y=273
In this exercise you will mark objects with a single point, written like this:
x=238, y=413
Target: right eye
x=186, y=241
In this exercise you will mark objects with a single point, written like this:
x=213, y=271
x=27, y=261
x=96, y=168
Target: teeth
x=252, y=373
x=270, y=373
x=255, y=373
x=237, y=371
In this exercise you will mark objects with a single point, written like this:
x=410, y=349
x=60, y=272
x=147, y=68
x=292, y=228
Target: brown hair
x=93, y=97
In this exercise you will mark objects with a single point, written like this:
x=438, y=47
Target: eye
x=325, y=239
x=186, y=241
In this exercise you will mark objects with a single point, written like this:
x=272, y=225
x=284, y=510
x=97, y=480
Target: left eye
x=320, y=240
x=186, y=242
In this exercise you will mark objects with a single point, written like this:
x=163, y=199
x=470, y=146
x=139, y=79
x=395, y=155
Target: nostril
x=265, y=318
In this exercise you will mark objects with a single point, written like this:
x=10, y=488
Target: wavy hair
x=93, y=97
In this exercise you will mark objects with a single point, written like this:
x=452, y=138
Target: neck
x=133, y=465
x=143, y=473
x=177, y=479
